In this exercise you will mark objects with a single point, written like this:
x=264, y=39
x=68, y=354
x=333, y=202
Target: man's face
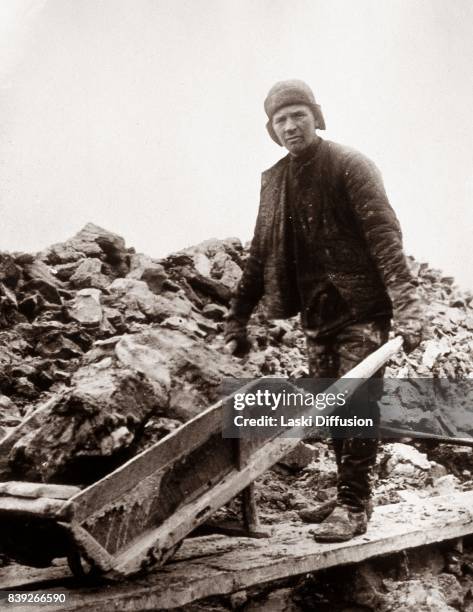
x=295, y=127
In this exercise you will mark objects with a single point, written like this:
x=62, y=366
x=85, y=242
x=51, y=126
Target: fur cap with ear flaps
x=285, y=93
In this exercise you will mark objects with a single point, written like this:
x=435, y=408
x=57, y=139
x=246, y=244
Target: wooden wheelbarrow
x=136, y=517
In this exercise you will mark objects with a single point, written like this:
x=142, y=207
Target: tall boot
x=356, y=473
x=358, y=460
x=350, y=516
x=316, y=513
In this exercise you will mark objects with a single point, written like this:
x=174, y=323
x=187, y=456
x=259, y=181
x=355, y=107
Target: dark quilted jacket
x=356, y=237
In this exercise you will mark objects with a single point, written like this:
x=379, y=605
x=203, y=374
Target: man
x=328, y=245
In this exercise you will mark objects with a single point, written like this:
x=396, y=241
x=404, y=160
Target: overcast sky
x=146, y=116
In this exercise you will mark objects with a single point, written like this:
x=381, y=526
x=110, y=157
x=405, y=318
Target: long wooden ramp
x=219, y=565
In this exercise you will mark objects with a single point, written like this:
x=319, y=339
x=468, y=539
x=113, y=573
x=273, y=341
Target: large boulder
x=195, y=369
x=143, y=353
x=124, y=383
x=89, y=428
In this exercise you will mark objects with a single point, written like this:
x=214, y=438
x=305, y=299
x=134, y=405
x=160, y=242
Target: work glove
x=411, y=329
x=235, y=331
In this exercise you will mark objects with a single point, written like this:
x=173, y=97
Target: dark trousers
x=332, y=357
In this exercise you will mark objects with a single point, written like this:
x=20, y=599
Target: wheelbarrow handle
x=372, y=363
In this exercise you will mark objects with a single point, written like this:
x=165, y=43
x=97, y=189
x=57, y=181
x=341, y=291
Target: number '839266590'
x=36, y=598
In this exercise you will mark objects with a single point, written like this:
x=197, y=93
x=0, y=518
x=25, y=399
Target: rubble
x=89, y=274
x=148, y=270
x=92, y=241
x=95, y=419
x=448, y=349
x=403, y=457
x=113, y=342
x=300, y=457
x=57, y=303
x=86, y=307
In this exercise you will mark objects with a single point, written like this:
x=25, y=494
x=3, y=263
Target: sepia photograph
x=236, y=305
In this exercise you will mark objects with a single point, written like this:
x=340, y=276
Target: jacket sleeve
x=250, y=288
x=380, y=227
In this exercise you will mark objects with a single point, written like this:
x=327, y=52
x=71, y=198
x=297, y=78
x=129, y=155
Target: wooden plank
x=37, y=489
x=39, y=507
x=219, y=565
x=15, y=575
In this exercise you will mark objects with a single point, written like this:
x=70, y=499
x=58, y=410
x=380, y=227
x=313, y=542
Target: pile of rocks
x=110, y=350
x=105, y=342
x=118, y=348
x=448, y=349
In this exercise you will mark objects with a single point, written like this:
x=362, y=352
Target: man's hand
x=408, y=320
x=236, y=337
x=411, y=341
x=412, y=332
